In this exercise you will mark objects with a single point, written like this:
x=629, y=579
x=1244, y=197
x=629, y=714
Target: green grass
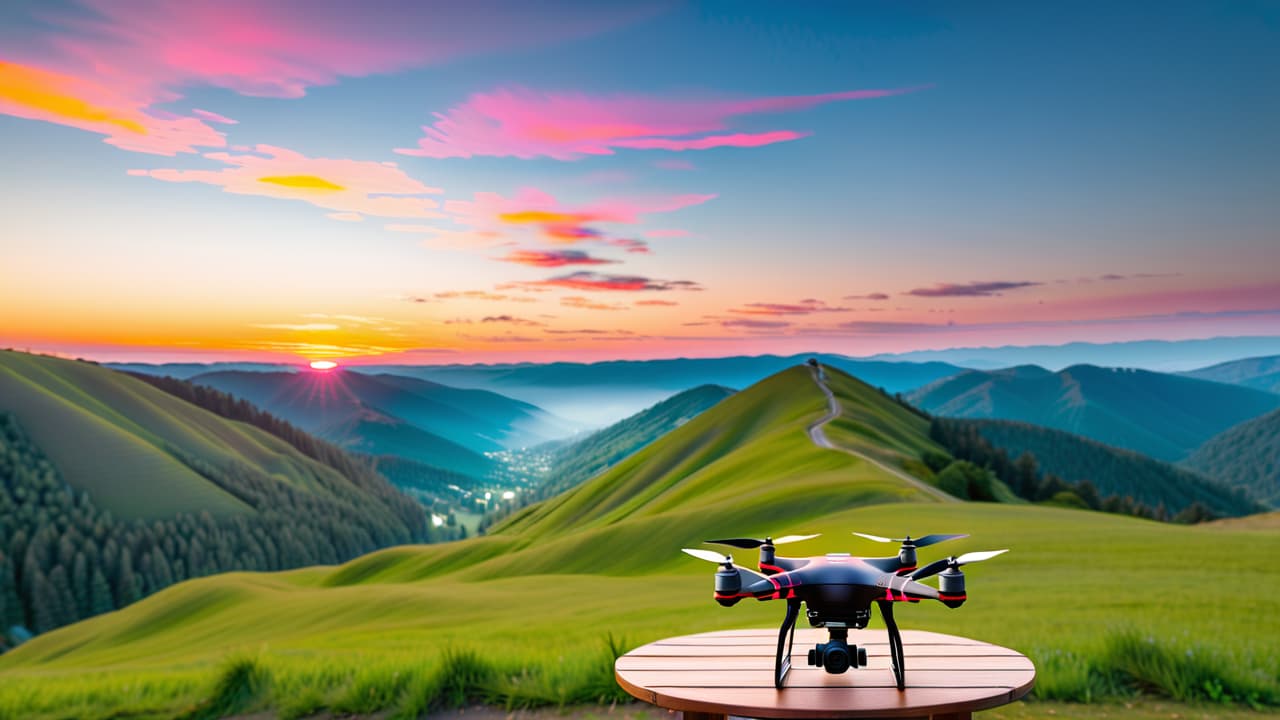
x=523, y=618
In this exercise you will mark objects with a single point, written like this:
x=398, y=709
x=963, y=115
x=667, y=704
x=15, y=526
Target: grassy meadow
x=531, y=615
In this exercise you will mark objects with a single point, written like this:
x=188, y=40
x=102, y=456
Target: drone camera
x=836, y=656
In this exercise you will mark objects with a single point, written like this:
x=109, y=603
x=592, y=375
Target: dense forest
x=1114, y=471
x=1247, y=455
x=63, y=559
x=1025, y=477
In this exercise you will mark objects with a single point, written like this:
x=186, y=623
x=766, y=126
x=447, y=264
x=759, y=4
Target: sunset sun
x=323, y=364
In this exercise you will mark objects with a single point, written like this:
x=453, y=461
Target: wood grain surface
x=731, y=673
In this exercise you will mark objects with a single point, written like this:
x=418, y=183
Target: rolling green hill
x=1246, y=456
x=111, y=489
x=521, y=616
x=1164, y=416
x=574, y=462
x=1259, y=373
x=1114, y=471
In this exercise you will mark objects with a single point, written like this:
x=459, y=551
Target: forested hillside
x=1157, y=414
x=1260, y=373
x=1247, y=456
x=576, y=462
x=1029, y=479
x=282, y=499
x=1113, y=471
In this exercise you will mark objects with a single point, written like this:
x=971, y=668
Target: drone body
x=838, y=590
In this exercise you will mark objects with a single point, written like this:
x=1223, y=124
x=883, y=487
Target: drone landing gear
x=786, y=637
x=895, y=643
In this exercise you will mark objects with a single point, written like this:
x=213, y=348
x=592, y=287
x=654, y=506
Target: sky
x=407, y=182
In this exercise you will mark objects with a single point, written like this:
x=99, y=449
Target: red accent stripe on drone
x=774, y=568
x=942, y=596
x=726, y=596
x=904, y=570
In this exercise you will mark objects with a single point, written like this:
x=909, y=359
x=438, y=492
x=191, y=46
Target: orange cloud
x=346, y=186
x=37, y=94
x=553, y=258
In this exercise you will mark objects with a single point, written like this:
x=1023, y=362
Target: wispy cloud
x=656, y=303
x=39, y=94
x=283, y=48
x=214, y=117
x=877, y=296
x=582, y=303
x=553, y=258
x=483, y=295
x=972, y=289
x=518, y=122
x=808, y=306
x=754, y=324
x=347, y=186
x=345, y=216
x=583, y=280
x=511, y=320
x=298, y=327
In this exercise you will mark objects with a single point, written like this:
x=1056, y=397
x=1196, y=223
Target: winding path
x=819, y=438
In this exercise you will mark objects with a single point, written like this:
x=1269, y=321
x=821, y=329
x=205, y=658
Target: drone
x=837, y=590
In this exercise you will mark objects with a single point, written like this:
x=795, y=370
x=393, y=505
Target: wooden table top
x=731, y=673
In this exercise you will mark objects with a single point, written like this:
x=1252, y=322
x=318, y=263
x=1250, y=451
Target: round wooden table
x=712, y=675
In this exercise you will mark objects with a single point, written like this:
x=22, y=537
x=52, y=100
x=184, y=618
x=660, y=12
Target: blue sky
x=1040, y=148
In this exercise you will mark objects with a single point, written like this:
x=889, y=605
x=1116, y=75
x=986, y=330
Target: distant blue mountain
x=1162, y=415
x=1161, y=355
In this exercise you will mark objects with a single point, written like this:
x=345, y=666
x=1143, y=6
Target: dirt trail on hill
x=819, y=438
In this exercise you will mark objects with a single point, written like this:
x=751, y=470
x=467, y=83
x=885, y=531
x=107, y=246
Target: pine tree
x=80, y=585
x=43, y=602
x=64, y=603
x=126, y=582
x=99, y=594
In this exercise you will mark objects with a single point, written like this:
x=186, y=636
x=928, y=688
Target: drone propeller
x=925, y=541
x=938, y=566
x=749, y=543
x=709, y=556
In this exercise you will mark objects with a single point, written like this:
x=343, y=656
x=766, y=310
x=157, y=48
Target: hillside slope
x=1259, y=373
x=1246, y=456
x=745, y=460
x=577, y=461
x=1114, y=471
x=111, y=489
x=1164, y=416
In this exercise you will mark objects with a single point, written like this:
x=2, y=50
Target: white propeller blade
x=709, y=555
x=875, y=538
x=794, y=538
x=979, y=556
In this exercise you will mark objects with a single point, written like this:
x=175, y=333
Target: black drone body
x=838, y=591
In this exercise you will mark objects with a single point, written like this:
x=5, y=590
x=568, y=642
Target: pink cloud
x=553, y=258
x=657, y=303
x=282, y=48
x=804, y=307
x=524, y=123
x=345, y=186
x=214, y=117
x=667, y=233
x=583, y=280
x=557, y=223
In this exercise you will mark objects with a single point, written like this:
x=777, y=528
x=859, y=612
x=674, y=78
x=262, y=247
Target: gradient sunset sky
x=485, y=181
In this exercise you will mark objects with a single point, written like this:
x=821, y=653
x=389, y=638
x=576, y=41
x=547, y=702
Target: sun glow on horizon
x=323, y=365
